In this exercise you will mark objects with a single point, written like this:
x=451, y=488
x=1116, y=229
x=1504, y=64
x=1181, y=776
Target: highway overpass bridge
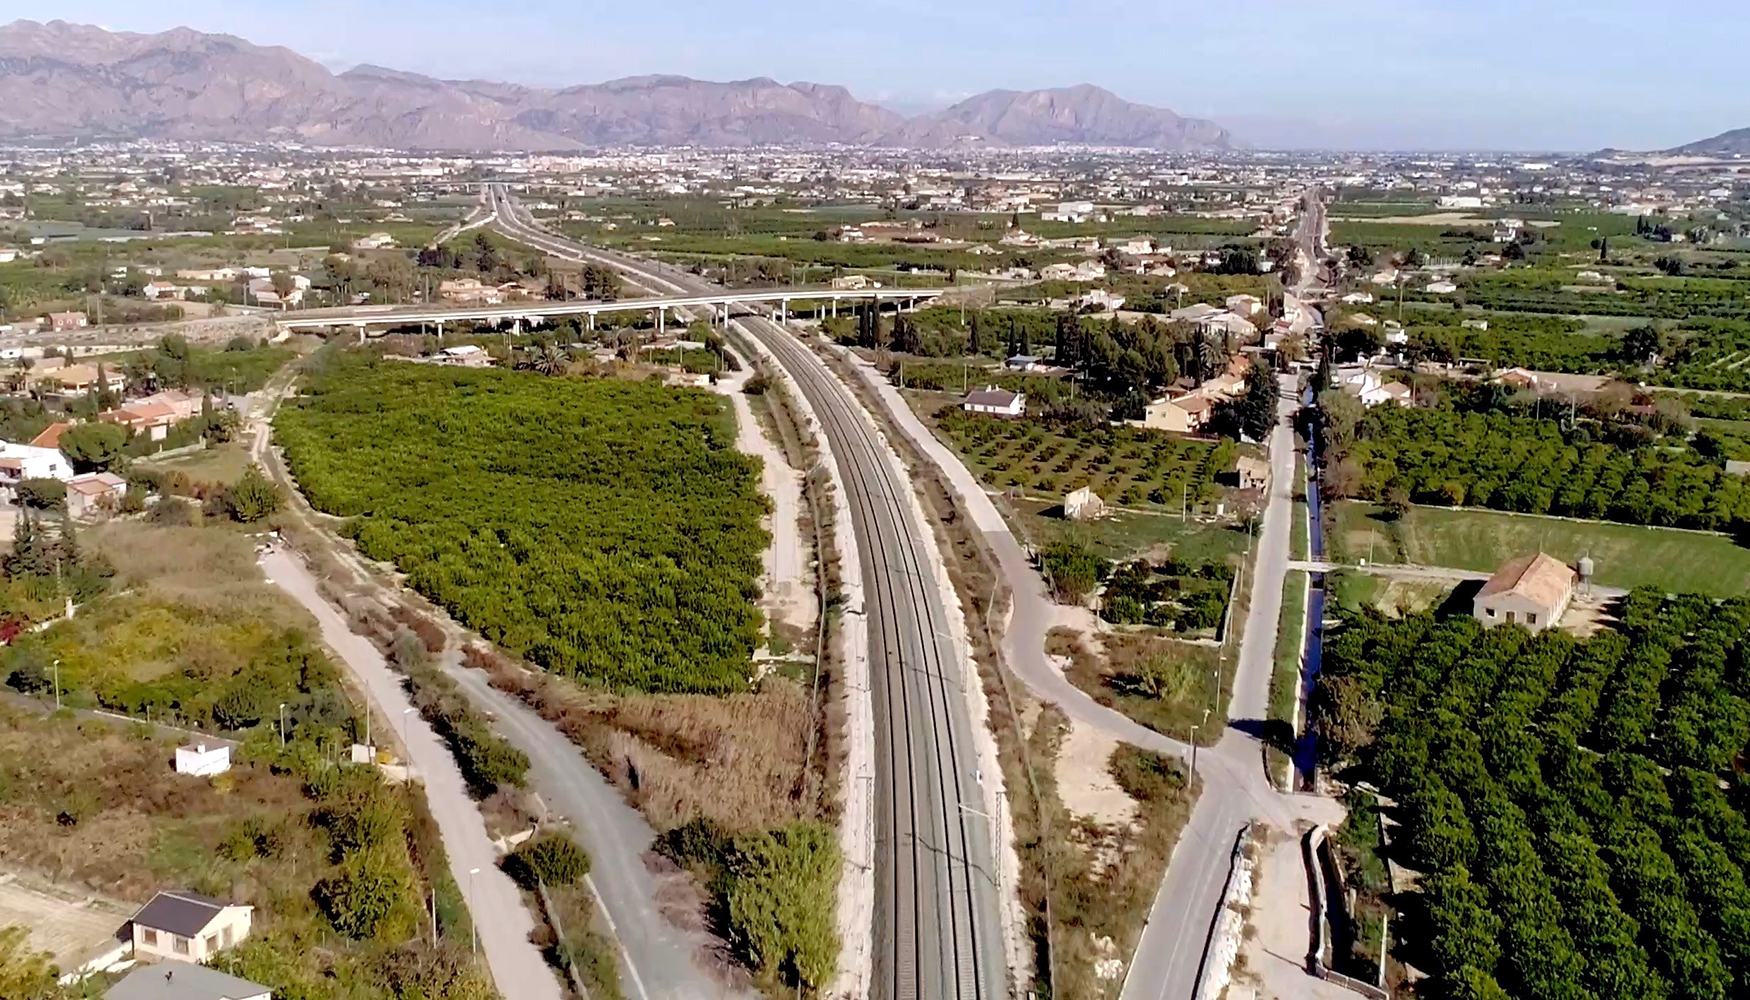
x=718, y=304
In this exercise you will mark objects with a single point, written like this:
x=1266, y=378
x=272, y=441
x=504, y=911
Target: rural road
x=494, y=902
x=659, y=959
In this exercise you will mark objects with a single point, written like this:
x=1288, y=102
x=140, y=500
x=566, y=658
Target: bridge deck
x=369, y=316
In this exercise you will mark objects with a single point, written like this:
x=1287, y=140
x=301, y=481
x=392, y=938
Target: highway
x=938, y=911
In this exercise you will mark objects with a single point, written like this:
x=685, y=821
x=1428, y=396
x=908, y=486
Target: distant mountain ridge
x=63, y=81
x=1733, y=143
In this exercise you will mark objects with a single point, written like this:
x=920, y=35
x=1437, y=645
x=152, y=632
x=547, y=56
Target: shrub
x=552, y=858
x=172, y=512
x=253, y=497
x=43, y=494
x=364, y=899
x=776, y=891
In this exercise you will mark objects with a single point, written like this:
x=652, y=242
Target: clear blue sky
x=1457, y=74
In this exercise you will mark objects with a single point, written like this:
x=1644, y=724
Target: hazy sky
x=1498, y=74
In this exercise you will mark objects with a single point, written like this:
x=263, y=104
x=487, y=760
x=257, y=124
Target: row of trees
x=1571, y=803
x=1525, y=464
x=606, y=530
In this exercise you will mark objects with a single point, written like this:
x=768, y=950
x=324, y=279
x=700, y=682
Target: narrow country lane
x=494, y=902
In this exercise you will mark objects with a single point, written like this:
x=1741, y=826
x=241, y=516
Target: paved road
x=494, y=902
x=938, y=920
x=660, y=961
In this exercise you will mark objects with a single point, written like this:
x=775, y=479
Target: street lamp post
x=473, y=918
x=405, y=748
x=57, y=685
x=282, y=725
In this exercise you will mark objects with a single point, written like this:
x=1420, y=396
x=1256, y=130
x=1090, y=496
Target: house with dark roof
x=188, y=926
x=183, y=981
x=994, y=401
x=1532, y=591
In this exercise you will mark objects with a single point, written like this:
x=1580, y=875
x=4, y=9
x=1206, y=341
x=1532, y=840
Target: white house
x=1070, y=211
x=1441, y=287
x=1357, y=298
x=1245, y=305
x=202, y=760
x=19, y=462
x=188, y=926
x=1082, y=505
x=93, y=492
x=464, y=355
x=1100, y=299
x=1365, y=384
x=996, y=402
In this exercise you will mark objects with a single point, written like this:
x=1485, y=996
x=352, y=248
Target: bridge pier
x=661, y=317
x=591, y=317
x=783, y=311
x=835, y=307
x=361, y=333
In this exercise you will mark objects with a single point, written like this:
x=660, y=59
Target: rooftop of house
x=51, y=435
x=1537, y=577
x=96, y=483
x=991, y=397
x=179, y=912
x=183, y=981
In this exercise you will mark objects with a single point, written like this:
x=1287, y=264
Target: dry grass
x=736, y=759
x=1161, y=682
x=1105, y=881
x=97, y=804
x=210, y=569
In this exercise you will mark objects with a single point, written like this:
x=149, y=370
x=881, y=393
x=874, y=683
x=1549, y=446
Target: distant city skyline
x=1352, y=74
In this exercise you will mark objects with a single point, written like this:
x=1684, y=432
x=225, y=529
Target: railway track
x=938, y=929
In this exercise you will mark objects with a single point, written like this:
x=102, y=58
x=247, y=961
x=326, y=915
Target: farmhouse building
x=994, y=401
x=1532, y=591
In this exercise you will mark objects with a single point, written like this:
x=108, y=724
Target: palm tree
x=1209, y=354
x=550, y=360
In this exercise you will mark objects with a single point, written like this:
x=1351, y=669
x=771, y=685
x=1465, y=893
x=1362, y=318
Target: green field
x=1624, y=555
x=1126, y=466
x=1128, y=534
x=217, y=464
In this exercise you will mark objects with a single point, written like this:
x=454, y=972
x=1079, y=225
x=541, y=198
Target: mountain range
x=65, y=81
x=1733, y=143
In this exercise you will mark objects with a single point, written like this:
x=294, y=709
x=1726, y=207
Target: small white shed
x=203, y=760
